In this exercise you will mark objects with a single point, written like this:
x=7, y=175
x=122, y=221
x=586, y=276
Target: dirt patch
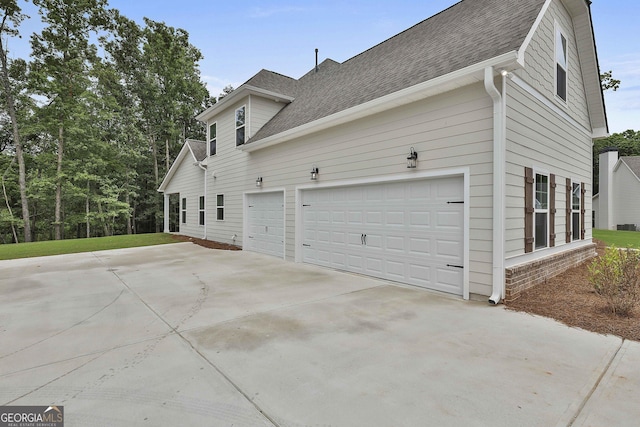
x=206, y=243
x=571, y=299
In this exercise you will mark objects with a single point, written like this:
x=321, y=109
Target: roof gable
x=633, y=163
x=191, y=147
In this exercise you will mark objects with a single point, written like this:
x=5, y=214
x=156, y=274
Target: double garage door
x=410, y=231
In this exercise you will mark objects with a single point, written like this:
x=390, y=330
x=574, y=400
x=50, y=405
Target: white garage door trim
x=249, y=235
x=459, y=172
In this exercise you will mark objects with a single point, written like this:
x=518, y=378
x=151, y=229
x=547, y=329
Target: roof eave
x=463, y=77
x=186, y=148
x=237, y=94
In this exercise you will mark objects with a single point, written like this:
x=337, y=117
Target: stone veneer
x=525, y=276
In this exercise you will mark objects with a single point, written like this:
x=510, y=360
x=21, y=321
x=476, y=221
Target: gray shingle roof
x=199, y=149
x=467, y=33
x=633, y=162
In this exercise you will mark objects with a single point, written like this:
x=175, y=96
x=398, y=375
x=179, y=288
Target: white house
x=617, y=204
x=498, y=101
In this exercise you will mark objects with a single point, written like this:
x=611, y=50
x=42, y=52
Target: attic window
x=240, y=126
x=212, y=139
x=561, y=64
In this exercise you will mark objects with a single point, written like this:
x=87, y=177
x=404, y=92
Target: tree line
x=92, y=120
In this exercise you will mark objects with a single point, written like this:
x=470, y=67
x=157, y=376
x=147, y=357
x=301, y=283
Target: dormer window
x=561, y=64
x=212, y=139
x=240, y=126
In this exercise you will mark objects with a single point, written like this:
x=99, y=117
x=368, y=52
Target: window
x=576, y=192
x=240, y=125
x=184, y=210
x=212, y=139
x=561, y=64
x=201, y=211
x=220, y=207
x=541, y=209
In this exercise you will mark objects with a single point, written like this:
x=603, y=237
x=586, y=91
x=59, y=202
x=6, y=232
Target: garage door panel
x=448, y=279
x=412, y=232
x=450, y=249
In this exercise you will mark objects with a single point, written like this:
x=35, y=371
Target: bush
x=616, y=277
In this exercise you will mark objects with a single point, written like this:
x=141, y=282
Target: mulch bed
x=207, y=243
x=571, y=299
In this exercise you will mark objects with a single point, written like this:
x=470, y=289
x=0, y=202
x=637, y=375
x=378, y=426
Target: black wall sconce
x=259, y=182
x=412, y=159
x=314, y=173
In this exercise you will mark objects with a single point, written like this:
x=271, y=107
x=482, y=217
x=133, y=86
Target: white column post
x=166, y=213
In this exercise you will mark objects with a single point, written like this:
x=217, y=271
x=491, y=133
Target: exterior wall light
x=412, y=159
x=314, y=173
x=259, y=182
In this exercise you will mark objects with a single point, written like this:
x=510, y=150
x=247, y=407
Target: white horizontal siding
x=626, y=197
x=188, y=183
x=539, y=139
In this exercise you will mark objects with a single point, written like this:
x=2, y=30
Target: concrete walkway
x=182, y=335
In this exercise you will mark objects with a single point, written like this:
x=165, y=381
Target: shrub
x=616, y=277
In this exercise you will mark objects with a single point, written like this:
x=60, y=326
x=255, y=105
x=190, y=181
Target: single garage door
x=265, y=223
x=408, y=231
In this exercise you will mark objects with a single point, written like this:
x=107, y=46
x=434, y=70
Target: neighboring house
x=499, y=99
x=617, y=204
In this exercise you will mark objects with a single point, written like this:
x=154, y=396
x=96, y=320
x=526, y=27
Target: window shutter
x=568, y=215
x=528, y=209
x=552, y=210
x=583, y=190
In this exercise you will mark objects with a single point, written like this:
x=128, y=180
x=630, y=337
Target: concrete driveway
x=182, y=335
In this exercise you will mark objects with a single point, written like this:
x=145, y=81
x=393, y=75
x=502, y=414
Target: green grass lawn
x=71, y=246
x=620, y=239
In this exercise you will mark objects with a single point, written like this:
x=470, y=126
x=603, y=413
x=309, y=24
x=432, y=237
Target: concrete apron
x=182, y=335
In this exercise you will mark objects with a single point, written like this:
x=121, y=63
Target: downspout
x=204, y=169
x=499, y=158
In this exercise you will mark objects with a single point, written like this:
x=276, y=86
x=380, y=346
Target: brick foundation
x=525, y=276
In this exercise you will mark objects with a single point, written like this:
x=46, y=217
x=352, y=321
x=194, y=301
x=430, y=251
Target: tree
x=225, y=91
x=11, y=18
x=608, y=82
x=159, y=68
x=62, y=58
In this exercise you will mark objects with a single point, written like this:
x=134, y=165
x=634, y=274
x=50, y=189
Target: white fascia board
x=186, y=148
x=532, y=31
x=600, y=133
x=238, y=93
x=463, y=77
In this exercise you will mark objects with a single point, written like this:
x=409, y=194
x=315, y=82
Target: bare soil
x=571, y=299
x=568, y=298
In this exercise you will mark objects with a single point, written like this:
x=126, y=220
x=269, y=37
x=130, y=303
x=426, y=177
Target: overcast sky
x=240, y=38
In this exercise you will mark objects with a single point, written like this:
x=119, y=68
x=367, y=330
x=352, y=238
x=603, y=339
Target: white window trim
x=209, y=139
x=202, y=211
x=220, y=207
x=183, y=210
x=558, y=29
x=235, y=134
x=578, y=210
x=536, y=211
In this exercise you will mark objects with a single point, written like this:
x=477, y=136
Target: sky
x=239, y=38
